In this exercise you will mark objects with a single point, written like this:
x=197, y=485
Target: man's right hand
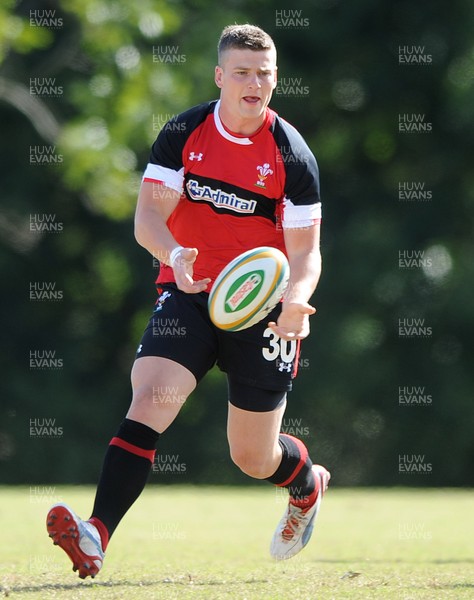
x=183, y=272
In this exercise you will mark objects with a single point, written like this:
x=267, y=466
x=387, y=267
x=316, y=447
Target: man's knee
x=252, y=464
x=156, y=406
x=159, y=396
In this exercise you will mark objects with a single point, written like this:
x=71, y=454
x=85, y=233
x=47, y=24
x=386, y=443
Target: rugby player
x=222, y=178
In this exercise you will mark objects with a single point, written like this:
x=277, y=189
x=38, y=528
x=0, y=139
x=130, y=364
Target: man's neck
x=240, y=126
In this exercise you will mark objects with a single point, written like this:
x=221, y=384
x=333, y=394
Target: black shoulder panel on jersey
x=302, y=173
x=168, y=146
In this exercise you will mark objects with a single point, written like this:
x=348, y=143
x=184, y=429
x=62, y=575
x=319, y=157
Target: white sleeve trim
x=295, y=217
x=169, y=177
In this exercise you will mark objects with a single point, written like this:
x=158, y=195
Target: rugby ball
x=248, y=288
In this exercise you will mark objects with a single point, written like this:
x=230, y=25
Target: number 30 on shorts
x=278, y=348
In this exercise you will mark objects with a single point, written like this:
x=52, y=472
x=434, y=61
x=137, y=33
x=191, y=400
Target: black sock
x=127, y=464
x=294, y=472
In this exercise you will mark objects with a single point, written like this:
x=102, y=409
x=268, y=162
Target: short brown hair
x=245, y=37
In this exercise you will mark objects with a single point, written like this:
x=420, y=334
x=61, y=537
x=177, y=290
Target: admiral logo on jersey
x=219, y=198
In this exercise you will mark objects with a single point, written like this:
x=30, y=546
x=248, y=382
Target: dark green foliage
x=347, y=86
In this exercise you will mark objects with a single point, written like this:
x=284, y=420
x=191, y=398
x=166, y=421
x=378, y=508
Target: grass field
x=212, y=543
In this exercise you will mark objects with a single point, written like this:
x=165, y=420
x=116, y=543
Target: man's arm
x=304, y=257
x=155, y=204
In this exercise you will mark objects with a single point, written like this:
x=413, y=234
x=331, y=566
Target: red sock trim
x=103, y=532
x=149, y=454
x=303, y=456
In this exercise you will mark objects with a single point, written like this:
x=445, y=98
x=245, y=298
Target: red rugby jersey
x=236, y=192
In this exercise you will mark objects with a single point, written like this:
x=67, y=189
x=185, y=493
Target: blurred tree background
x=384, y=95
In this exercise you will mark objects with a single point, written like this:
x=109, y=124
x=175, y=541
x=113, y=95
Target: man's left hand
x=293, y=322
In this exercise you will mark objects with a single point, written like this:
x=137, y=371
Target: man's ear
x=275, y=78
x=218, y=76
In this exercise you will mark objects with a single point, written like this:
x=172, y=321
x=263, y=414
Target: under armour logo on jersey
x=283, y=366
x=194, y=156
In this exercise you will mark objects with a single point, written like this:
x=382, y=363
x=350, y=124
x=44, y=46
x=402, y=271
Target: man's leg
x=254, y=439
x=160, y=388
x=261, y=451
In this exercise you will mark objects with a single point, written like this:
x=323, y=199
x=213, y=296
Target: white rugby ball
x=248, y=288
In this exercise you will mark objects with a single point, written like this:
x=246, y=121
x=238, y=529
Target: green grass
x=212, y=543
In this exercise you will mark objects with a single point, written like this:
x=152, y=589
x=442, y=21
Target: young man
x=221, y=176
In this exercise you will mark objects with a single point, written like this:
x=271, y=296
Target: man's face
x=247, y=79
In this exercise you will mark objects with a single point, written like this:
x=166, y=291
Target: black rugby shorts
x=180, y=329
